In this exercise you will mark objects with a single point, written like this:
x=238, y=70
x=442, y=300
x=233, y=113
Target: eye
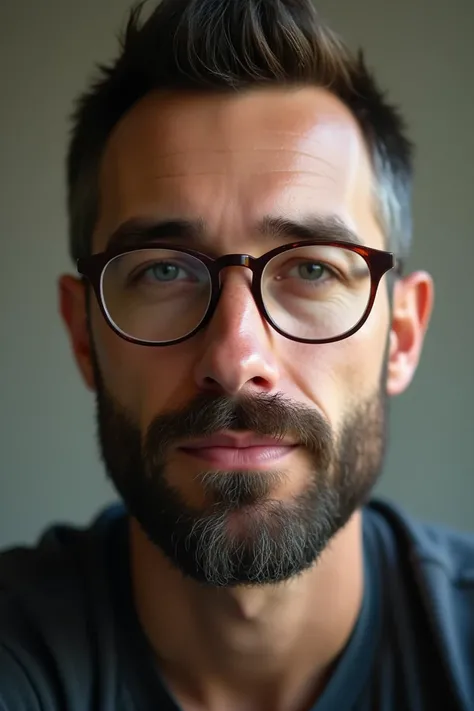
x=164, y=271
x=310, y=271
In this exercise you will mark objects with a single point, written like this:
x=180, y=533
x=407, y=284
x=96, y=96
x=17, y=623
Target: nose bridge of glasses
x=233, y=260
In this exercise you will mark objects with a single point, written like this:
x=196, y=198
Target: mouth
x=239, y=450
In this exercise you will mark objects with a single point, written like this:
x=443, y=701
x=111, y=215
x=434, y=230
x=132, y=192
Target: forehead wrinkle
x=302, y=162
x=242, y=151
x=257, y=173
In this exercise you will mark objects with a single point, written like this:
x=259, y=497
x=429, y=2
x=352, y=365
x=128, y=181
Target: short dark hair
x=231, y=45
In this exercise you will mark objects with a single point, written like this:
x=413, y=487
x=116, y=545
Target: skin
x=231, y=160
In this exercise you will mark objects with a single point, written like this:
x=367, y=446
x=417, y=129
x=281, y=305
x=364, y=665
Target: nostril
x=212, y=384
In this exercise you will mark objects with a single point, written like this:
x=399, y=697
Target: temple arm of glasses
x=398, y=266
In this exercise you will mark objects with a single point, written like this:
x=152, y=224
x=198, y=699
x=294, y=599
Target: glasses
x=310, y=292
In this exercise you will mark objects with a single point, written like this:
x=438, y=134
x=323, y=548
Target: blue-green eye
x=311, y=271
x=164, y=271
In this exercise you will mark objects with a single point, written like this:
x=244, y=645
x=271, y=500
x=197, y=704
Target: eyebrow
x=138, y=231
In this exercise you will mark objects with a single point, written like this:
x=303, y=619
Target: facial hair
x=276, y=539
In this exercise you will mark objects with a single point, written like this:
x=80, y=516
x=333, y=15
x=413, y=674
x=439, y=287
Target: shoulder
x=17, y=693
x=444, y=550
x=50, y=600
x=57, y=572
x=440, y=563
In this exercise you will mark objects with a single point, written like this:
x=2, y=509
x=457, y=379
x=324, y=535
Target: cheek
x=335, y=376
x=144, y=380
x=362, y=355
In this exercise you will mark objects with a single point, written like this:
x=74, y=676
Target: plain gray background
x=423, y=52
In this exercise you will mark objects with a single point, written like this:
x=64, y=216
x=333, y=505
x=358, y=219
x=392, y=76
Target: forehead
x=231, y=159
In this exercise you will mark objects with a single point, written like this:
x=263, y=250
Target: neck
x=249, y=647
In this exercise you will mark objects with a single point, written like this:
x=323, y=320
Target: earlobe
x=412, y=305
x=72, y=303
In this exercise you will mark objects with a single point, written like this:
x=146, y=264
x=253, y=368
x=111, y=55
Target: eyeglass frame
x=379, y=262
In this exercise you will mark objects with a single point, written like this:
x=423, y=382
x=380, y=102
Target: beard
x=275, y=540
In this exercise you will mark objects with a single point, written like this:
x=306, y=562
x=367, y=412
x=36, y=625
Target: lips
x=237, y=441
x=239, y=450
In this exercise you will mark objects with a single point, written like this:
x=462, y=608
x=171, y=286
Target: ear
x=411, y=310
x=72, y=303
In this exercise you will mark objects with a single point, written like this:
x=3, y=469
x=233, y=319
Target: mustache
x=273, y=416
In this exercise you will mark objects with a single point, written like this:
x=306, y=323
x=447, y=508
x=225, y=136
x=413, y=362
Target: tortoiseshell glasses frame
x=378, y=262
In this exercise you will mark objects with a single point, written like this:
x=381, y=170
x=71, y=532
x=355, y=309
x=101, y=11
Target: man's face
x=229, y=161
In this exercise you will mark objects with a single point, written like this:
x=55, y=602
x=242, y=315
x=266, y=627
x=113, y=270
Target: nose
x=237, y=355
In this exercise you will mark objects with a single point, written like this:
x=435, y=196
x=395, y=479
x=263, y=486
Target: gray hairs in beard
x=272, y=541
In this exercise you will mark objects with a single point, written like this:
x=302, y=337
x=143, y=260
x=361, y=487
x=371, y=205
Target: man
x=239, y=201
